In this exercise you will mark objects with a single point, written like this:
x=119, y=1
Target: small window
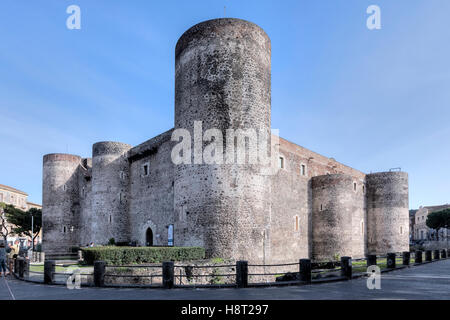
x=362, y=227
x=321, y=207
x=121, y=175
x=64, y=187
x=145, y=169
x=354, y=186
x=110, y=219
x=281, y=162
x=364, y=189
x=296, y=226
x=401, y=230
x=120, y=197
x=64, y=229
x=303, y=170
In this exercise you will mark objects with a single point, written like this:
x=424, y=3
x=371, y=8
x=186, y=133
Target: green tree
x=438, y=220
x=3, y=228
x=21, y=221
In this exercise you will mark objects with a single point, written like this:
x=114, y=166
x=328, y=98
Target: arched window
x=149, y=237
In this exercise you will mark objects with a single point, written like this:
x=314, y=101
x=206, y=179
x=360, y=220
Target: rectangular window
x=303, y=170
x=145, y=169
x=281, y=162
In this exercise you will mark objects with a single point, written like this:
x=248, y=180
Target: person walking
x=14, y=251
x=3, y=252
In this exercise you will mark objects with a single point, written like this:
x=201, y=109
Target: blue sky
x=373, y=100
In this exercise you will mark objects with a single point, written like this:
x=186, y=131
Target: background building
x=421, y=231
x=18, y=199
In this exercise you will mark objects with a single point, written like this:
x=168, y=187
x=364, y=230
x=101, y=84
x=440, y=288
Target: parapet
x=220, y=28
x=61, y=157
x=109, y=147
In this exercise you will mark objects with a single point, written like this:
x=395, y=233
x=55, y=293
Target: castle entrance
x=149, y=237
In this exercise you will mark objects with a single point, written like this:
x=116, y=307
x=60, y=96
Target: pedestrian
x=3, y=252
x=14, y=250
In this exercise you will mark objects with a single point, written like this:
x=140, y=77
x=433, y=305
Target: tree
x=3, y=227
x=438, y=220
x=21, y=221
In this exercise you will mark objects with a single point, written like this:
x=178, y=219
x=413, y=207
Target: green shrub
x=136, y=255
x=111, y=242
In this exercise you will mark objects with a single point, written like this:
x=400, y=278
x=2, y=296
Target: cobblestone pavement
x=428, y=281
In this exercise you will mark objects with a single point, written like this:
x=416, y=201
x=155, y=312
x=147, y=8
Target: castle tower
x=387, y=212
x=332, y=211
x=222, y=78
x=110, y=182
x=60, y=202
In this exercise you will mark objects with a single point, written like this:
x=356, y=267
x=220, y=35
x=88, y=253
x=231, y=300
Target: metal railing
x=225, y=275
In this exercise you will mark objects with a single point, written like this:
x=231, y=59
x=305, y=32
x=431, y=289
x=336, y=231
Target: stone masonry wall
x=151, y=196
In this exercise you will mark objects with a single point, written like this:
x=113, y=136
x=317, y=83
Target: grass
x=217, y=260
x=61, y=269
x=361, y=266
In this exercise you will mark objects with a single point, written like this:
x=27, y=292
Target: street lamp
x=32, y=231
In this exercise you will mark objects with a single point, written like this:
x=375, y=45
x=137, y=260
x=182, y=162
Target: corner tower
x=60, y=203
x=387, y=212
x=222, y=78
x=332, y=211
x=110, y=182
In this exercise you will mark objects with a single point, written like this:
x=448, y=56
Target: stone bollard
x=406, y=258
x=428, y=255
x=168, y=274
x=305, y=270
x=371, y=260
x=21, y=267
x=49, y=270
x=437, y=255
x=418, y=256
x=390, y=260
x=27, y=268
x=242, y=274
x=346, y=267
x=99, y=273
x=444, y=254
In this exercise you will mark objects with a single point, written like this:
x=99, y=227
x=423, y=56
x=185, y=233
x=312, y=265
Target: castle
x=311, y=206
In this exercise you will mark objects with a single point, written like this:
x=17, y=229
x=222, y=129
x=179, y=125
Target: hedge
x=136, y=255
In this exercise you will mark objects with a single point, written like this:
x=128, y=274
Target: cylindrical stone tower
x=110, y=184
x=60, y=203
x=222, y=78
x=387, y=212
x=332, y=210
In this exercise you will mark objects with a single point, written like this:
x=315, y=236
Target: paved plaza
x=428, y=281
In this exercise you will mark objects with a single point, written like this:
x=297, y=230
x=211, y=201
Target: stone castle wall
x=312, y=207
